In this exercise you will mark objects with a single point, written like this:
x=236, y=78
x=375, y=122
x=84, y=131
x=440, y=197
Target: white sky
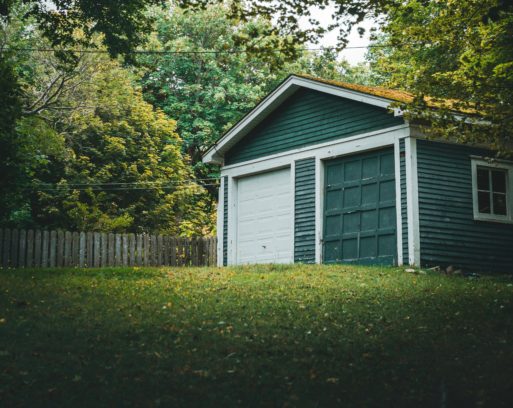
x=354, y=56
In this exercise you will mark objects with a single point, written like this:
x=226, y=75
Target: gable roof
x=376, y=96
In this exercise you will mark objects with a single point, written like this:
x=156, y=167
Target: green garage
x=329, y=172
x=360, y=209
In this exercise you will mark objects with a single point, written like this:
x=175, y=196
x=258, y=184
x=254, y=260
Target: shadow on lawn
x=106, y=338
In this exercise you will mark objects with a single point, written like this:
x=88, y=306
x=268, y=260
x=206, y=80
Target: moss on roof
x=394, y=94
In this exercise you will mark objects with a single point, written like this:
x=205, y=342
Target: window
x=492, y=189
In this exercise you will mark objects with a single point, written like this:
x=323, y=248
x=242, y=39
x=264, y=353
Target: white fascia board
x=215, y=154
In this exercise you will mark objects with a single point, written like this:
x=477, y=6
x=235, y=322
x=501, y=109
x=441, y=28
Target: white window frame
x=493, y=164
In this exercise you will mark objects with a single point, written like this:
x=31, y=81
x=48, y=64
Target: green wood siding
x=225, y=220
x=404, y=212
x=307, y=118
x=304, y=211
x=449, y=235
x=360, y=209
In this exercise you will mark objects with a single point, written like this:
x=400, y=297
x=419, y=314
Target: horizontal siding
x=304, y=211
x=449, y=235
x=307, y=118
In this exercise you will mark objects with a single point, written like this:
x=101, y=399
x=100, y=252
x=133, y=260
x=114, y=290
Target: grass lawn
x=255, y=336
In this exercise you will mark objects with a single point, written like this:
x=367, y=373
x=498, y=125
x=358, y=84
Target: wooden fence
x=39, y=249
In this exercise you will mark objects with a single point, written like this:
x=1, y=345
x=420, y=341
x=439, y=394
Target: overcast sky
x=352, y=55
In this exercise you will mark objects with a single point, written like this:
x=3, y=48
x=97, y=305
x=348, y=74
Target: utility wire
x=134, y=182
x=93, y=51
x=118, y=186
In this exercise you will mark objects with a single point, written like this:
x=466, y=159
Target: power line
x=134, y=182
x=114, y=186
x=93, y=51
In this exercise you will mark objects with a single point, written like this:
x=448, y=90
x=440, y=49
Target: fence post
x=37, y=249
x=105, y=249
x=89, y=251
x=160, y=248
x=44, y=249
x=75, y=257
x=140, y=249
x=125, y=249
x=6, y=248
x=131, y=249
x=15, y=245
x=81, y=256
x=118, y=250
x=96, y=249
x=30, y=249
x=23, y=249
x=111, y=261
x=53, y=249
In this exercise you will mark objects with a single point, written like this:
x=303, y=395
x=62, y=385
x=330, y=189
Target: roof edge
x=215, y=154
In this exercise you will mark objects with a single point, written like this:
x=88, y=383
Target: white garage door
x=264, y=218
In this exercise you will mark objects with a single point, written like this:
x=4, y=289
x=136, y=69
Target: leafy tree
x=457, y=56
x=208, y=92
x=122, y=25
x=457, y=51
x=96, y=156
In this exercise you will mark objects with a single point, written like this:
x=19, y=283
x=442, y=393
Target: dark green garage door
x=360, y=213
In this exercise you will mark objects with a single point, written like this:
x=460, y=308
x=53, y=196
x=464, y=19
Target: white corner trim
x=293, y=208
x=399, y=229
x=220, y=224
x=412, y=200
x=319, y=208
x=498, y=164
x=232, y=221
x=274, y=99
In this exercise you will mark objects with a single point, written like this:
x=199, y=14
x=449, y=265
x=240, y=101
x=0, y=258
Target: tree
x=455, y=56
x=121, y=25
x=95, y=156
x=456, y=53
x=207, y=92
x=286, y=15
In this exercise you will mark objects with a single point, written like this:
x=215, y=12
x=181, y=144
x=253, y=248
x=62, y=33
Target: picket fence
x=40, y=248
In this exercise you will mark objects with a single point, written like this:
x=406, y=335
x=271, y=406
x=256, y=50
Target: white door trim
x=399, y=226
x=412, y=200
x=321, y=152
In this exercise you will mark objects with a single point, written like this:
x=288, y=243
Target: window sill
x=494, y=220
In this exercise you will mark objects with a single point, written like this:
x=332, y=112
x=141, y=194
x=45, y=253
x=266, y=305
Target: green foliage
x=207, y=92
x=11, y=172
x=121, y=24
x=122, y=140
x=91, y=154
x=275, y=335
x=459, y=53
x=286, y=15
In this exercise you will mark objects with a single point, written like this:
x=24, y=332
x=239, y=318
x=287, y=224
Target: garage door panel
x=360, y=195
x=264, y=219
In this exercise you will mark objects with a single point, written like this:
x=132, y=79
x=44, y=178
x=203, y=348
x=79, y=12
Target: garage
x=360, y=209
x=264, y=218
